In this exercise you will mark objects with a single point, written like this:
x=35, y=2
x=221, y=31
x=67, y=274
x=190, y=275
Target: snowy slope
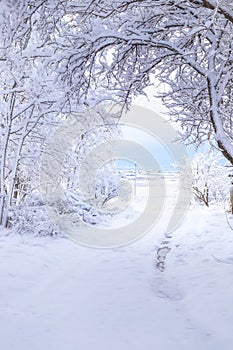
x=58, y=295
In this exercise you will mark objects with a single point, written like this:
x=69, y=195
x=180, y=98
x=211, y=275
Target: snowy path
x=55, y=294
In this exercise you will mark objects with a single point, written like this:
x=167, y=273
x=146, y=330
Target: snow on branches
x=186, y=46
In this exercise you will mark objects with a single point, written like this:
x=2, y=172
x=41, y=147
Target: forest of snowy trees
x=60, y=58
x=116, y=174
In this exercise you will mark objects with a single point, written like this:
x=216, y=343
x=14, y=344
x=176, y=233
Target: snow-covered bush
x=30, y=217
x=210, y=182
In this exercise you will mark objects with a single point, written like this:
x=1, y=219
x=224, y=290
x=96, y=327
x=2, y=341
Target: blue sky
x=146, y=140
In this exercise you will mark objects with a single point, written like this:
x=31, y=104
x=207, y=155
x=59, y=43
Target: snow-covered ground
x=58, y=295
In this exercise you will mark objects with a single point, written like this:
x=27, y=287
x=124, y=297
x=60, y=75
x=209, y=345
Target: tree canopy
x=114, y=49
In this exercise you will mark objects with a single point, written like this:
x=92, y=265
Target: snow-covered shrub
x=210, y=182
x=31, y=217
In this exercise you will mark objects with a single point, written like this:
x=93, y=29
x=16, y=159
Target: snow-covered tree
x=122, y=46
x=29, y=98
x=33, y=100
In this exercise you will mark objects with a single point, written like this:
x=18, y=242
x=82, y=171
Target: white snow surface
x=58, y=295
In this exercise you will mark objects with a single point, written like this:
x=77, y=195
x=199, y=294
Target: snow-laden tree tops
x=185, y=47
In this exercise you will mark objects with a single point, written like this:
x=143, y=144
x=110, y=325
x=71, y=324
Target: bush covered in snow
x=210, y=181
